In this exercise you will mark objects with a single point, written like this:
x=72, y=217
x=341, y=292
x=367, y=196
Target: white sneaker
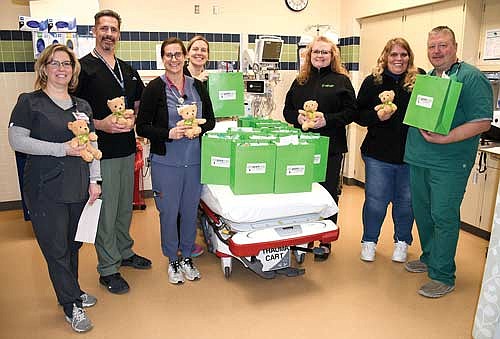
x=368, y=251
x=400, y=251
x=174, y=272
x=189, y=270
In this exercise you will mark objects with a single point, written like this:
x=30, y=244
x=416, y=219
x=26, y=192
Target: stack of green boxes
x=264, y=156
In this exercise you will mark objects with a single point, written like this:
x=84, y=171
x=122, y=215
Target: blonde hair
x=335, y=63
x=46, y=57
x=411, y=70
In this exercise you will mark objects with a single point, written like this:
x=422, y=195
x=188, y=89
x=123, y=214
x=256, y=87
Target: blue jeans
x=384, y=183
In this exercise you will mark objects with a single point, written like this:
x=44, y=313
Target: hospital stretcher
x=262, y=231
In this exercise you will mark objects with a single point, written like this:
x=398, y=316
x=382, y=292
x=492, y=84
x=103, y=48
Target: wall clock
x=296, y=5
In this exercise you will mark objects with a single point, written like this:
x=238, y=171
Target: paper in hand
x=87, y=225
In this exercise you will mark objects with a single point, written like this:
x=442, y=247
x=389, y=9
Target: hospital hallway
x=342, y=297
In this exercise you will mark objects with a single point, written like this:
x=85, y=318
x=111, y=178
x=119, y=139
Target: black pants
x=55, y=227
x=332, y=179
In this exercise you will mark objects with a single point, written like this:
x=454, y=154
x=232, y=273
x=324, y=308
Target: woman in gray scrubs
x=57, y=181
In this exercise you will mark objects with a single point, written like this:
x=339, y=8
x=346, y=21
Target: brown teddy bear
x=310, y=113
x=121, y=115
x=188, y=114
x=387, y=107
x=83, y=136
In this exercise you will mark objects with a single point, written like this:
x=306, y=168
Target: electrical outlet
x=196, y=9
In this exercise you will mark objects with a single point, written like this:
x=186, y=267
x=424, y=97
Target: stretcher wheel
x=227, y=272
x=299, y=256
x=227, y=266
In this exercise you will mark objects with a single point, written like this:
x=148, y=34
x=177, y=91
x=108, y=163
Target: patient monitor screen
x=271, y=51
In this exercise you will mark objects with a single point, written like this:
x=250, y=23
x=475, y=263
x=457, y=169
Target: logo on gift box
x=227, y=95
x=220, y=162
x=295, y=170
x=256, y=168
x=424, y=101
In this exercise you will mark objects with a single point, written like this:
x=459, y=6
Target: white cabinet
x=478, y=205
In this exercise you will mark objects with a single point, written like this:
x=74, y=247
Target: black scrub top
x=62, y=179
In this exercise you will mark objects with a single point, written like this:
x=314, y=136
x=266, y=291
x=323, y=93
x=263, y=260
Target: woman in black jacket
x=387, y=176
x=175, y=159
x=323, y=78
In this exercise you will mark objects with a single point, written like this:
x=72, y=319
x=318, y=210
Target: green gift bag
x=294, y=168
x=433, y=103
x=226, y=93
x=320, y=159
x=252, y=167
x=216, y=158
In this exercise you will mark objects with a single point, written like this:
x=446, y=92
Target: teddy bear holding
x=121, y=115
x=188, y=115
x=387, y=107
x=83, y=136
x=310, y=114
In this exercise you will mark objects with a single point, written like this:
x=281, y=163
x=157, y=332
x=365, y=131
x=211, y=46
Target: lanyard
x=118, y=80
x=170, y=84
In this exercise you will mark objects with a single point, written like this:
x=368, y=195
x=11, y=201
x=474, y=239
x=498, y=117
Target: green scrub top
x=475, y=103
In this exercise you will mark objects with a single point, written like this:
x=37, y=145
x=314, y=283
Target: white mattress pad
x=257, y=207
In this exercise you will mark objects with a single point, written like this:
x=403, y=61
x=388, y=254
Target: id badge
x=81, y=116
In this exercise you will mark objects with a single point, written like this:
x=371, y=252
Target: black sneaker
x=327, y=249
x=114, y=283
x=136, y=261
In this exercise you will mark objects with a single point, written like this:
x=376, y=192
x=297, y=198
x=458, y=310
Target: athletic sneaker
x=416, y=266
x=368, y=251
x=189, y=270
x=174, y=272
x=114, y=283
x=400, y=251
x=79, y=320
x=88, y=300
x=435, y=289
x=197, y=251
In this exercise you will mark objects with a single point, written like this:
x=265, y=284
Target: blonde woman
x=323, y=78
x=387, y=176
x=57, y=181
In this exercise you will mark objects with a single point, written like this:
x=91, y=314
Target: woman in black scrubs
x=57, y=181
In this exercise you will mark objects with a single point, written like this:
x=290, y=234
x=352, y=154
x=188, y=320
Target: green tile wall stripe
x=139, y=48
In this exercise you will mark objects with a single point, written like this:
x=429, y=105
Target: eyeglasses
x=170, y=56
x=198, y=49
x=57, y=64
x=322, y=52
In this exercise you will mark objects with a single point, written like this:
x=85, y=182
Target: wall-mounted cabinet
x=413, y=24
x=490, y=21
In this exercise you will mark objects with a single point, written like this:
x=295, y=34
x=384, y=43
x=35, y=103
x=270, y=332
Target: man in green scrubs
x=440, y=165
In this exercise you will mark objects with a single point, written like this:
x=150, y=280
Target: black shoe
x=136, y=261
x=114, y=283
x=322, y=257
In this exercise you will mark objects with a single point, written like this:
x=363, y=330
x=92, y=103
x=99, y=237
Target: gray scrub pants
x=177, y=191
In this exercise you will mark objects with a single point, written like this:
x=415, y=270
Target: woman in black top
x=387, y=176
x=57, y=181
x=323, y=78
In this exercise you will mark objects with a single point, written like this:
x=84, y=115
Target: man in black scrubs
x=103, y=77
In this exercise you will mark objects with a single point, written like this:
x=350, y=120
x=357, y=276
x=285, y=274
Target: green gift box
x=294, y=168
x=226, y=93
x=215, y=158
x=252, y=167
x=320, y=158
x=246, y=122
x=433, y=103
